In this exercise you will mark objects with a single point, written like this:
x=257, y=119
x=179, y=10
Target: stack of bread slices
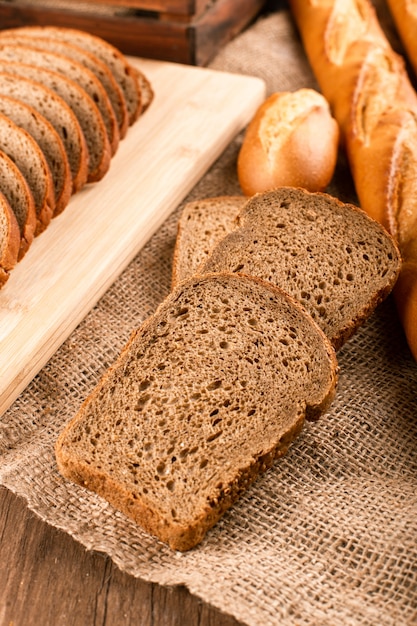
x=218, y=382
x=67, y=98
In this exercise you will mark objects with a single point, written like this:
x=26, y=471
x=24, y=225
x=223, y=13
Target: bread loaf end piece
x=205, y=396
x=201, y=225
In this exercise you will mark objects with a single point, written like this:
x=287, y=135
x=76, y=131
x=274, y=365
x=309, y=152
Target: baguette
x=404, y=13
x=292, y=141
x=372, y=99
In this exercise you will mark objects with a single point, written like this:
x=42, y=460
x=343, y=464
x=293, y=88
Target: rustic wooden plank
x=165, y=36
x=180, y=7
x=195, y=114
x=223, y=22
x=48, y=578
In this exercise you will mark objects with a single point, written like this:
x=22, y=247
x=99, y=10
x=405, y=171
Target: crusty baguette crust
x=292, y=140
x=178, y=535
x=404, y=13
x=375, y=105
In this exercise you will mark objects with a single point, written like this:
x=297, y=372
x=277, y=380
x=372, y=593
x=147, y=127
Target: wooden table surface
x=48, y=579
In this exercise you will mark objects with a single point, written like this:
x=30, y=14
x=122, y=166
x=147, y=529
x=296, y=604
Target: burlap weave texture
x=327, y=537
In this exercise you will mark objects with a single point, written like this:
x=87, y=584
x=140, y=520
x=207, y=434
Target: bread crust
x=26, y=229
x=48, y=140
x=291, y=141
x=40, y=183
x=404, y=13
x=181, y=535
x=86, y=111
x=41, y=98
x=11, y=241
x=24, y=50
x=124, y=74
x=375, y=105
x=195, y=217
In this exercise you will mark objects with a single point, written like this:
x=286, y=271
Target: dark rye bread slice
x=331, y=257
x=124, y=74
x=9, y=240
x=49, y=142
x=85, y=110
x=72, y=70
x=19, y=196
x=29, y=158
x=204, y=397
x=88, y=60
x=201, y=226
x=59, y=114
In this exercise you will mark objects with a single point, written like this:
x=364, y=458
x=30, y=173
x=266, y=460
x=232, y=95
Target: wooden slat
x=195, y=115
x=47, y=579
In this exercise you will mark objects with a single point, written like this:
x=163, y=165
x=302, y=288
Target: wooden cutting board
x=195, y=114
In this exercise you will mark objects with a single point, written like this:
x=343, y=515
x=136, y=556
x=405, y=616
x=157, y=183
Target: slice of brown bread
x=146, y=91
x=89, y=60
x=201, y=226
x=59, y=114
x=87, y=113
x=117, y=63
x=19, y=196
x=205, y=396
x=72, y=70
x=331, y=257
x=29, y=158
x=49, y=142
x=9, y=240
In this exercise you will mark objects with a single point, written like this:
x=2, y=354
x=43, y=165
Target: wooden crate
x=182, y=31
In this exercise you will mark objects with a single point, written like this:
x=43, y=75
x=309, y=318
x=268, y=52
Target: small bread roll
x=291, y=141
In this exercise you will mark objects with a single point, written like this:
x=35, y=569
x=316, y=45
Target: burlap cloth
x=329, y=535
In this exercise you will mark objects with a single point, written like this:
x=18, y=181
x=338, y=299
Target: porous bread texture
x=19, y=196
x=87, y=59
x=9, y=239
x=201, y=226
x=145, y=88
x=59, y=114
x=205, y=396
x=49, y=142
x=29, y=54
x=330, y=256
x=124, y=74
x=85, y=110
x=30, y=160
